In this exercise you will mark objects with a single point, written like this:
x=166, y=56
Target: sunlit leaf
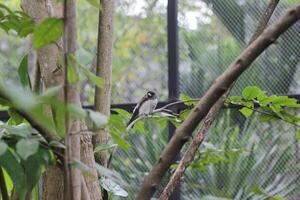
x=251, y=92
x=48, y=31
x=15, y=118
x=235, y=99
x=27, y=147
x=188, y=99
x=246, y=112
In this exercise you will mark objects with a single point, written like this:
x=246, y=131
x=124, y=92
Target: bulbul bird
x=145, y=106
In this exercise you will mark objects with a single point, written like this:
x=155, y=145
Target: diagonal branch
x=219, y=87
x=212, y=114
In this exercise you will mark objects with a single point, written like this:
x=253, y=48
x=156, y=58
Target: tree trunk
x=53, y=75
x=104, y=70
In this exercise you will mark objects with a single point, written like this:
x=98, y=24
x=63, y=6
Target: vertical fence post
x=173, y=83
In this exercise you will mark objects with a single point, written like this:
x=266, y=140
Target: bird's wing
x=135, y=113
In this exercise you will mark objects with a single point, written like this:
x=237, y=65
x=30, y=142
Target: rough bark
x=47, y=58
x=87, y=157
x=104, y=70
x=53, y=75
x=71, y=96
x=219, y=87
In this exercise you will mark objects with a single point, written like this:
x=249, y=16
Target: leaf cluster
x=270, y=108
x=16, y=21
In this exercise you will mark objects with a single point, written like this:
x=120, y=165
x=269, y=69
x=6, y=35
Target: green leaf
x=122, y=143
x=297, y=135
x=251, y=92
x=21, y=130
x=15, y=117
x=246, y=112
x=35, y=165
x=113, y=187
x=267, y=118
x=235, y=99
x=10, y=163
x=98, y=81
x=48, y=31
x=57, y=144
x=3, y=147
x=23, y=72
x=95, y=3
x=187, y=98
x=122, y=112
x=98, y=119
x=276, y=108
x=103, y=147
x=72, y=74
x=257, y=190
x=27, y=147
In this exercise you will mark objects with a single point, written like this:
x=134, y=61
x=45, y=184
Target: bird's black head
x=151, y=94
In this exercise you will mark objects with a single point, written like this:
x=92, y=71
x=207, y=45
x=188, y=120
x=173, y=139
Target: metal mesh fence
x=245, y=158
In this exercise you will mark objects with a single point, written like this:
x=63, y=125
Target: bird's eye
x=149, y=94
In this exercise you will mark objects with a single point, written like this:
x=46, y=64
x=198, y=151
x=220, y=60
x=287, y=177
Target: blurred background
x=241, y=159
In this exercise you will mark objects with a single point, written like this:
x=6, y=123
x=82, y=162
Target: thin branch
x=263, y=22
x=72, y=175
x=161, y=110
x=212, y=114
x=271, y=115
x=3, y=187
x=179, y=102
x=104, y=70
x=220, y=86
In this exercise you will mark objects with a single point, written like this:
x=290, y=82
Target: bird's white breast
x=148, y=107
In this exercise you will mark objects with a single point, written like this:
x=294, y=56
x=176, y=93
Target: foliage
x=48, y=31
x=242, y=164
x=24, y=156
x=269, y=107
x=17, y=21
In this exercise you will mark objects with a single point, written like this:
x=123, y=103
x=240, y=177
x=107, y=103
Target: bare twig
x=220, y=86
x=211, y=116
